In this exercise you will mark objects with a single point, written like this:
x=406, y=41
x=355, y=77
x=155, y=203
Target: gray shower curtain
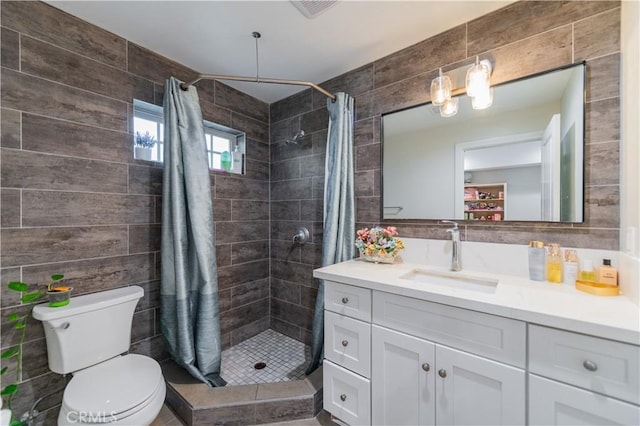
x=189, y=312
x=339, y=207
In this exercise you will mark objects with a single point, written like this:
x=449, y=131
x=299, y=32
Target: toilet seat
x=115, y=389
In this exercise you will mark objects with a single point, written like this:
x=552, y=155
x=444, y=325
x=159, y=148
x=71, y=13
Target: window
x=225, y=147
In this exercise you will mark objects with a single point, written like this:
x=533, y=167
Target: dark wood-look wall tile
x=353, y=83
x=312, y=165
x=286, y=410
x=56, y=208
x=291, y=106
x=247, y=331
x=317, y=188
x=368, y=157
x=426, y=55
x=221, y=209
x=285, y=210
x=293, y=314
x=524, y=19
x=224, y=300
x=23, y=169
x=597, y=36
x=53, y=136
x=237, y=101
x=314, y=121
x=231, y=276
x=249, y=252
x=254, y=129
x=603, y=78
x=152, y=347
x=9, y=297
x=144, y=238
x=285, y=170
x=44, y=22
x=143, y=325
x=10, y=124
x=249, y=210
x=154, y=67
x=319, y=142
x=53, y=63
x=145, y=180
x=285, y=290
x=238, y=232
x=285, y=250
x=89, y=276
x=308, y=296
x=363, y=183
x=602, y=163
x=312, y=210
x=368, y=210
x=285, y=328
x=28, y=246
x=291, y=271
x=363, y=132
x=249, y=292
x=11, y=336
x=311, y=254
x=151, y=298
x=285, y=151
x=602, y=206
x=602, y=121
x=10, y=208
x=216, y=114
x=291, y=189
x=258, y=170
x=257, y=150
x=33, y=389
x=402, y=94
x=245, y=189
x=33, y=363
x=285, y=229
x=223, y=255
x=536, y=54
x=32, y=94
x=280, y=131
x=10, y=49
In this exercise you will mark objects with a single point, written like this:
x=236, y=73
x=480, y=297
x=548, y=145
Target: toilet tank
x=90, y=329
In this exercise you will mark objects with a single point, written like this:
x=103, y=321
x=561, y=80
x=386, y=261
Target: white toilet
x=87, y=338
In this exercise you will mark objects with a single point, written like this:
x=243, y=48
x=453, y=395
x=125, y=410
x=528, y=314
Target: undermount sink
x=452, y=280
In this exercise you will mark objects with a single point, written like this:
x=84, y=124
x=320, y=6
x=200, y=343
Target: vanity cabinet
x=426, y=363
x=580, y=379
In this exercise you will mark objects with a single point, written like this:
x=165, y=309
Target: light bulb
x=478, y=77
x=483, y=99
x=440, y=89
x=449, y=108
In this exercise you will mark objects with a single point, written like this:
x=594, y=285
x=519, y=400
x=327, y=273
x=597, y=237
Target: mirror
x=519, y=160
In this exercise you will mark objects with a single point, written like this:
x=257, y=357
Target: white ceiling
x=214, y=37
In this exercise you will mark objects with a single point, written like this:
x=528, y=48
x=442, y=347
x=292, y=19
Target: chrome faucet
x=456, y=257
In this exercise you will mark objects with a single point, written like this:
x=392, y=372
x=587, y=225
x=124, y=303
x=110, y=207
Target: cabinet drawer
x=348, y=300
x=347, y=342
x=554, y=403
x=346, y=395
x=601, y=365
x=495, y=337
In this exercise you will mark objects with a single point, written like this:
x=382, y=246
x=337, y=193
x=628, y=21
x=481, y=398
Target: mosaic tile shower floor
x=285, y=359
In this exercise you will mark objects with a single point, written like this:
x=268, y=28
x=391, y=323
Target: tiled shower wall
x=74, y=201
x=521, y=39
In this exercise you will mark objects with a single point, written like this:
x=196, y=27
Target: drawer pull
x=343, y=397
x=345, y=343
x=426, y=366
x=442, y=373
x=345, y=300
x=590, y=365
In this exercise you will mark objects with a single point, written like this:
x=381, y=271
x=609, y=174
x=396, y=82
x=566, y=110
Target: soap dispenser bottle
x=554, y=263
x=570, y=267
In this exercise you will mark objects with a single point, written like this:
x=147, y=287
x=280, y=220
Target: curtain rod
x=259, y=80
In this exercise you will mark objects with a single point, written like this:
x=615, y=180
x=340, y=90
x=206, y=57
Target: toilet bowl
x=87, y=338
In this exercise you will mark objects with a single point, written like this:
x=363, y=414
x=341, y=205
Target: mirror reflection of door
x=551, y=170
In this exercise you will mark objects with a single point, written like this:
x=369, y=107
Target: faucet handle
x=455, y=224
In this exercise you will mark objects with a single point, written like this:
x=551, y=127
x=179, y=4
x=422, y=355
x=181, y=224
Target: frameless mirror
x=519, y=160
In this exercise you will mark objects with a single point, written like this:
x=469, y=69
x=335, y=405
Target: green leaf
x=29, y=297
x=13, y=317
x=9, y=389
x=10, y=352
x=18, y=286
x=16, y=422
x=20, y=325
x=4, y=370
x=57, y=277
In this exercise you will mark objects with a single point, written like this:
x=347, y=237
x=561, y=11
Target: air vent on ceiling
x=313, y=8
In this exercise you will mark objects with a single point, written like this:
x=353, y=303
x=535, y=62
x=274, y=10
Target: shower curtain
x=339, y=206
x=189, y=312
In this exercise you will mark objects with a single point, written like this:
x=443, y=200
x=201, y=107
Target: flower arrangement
x=145, y=141
x=379, y=244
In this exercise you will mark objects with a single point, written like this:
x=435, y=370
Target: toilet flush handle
x=64, y=325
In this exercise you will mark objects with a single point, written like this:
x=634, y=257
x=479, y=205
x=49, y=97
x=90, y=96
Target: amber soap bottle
x=607, y=274
x=554, y=263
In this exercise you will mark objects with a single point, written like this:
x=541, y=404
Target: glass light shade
x=449, y=108
x=482, y=99
x=477, y=78
x=440, y=90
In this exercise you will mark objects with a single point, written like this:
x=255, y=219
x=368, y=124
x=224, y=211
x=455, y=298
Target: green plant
x=20, y=323
x=145, y=141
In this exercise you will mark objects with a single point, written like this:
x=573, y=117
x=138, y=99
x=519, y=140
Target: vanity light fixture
x=474, y=79
x=440, y=89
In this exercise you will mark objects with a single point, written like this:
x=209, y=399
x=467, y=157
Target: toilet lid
x=113, y=387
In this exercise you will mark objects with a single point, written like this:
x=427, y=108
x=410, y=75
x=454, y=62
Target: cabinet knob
x=343, y=397
x=345, y=343
x=590, y=365
x=442, y=373
x=345, y=300
x=426, y=366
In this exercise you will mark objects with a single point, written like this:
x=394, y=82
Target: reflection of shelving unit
x=485, y=201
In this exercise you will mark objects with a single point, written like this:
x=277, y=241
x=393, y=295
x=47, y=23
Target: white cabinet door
x=402, y=379
x=554, y=403
x=471, y=390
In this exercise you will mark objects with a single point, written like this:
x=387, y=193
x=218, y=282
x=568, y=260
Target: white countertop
x=553, y=305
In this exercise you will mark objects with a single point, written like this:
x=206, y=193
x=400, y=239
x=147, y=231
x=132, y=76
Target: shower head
x=296, y=138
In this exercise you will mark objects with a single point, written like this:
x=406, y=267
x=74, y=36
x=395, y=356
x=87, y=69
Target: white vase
x=142, y=153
